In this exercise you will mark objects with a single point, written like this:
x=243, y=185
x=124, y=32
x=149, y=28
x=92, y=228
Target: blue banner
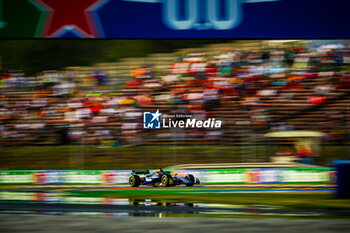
x=175, y=18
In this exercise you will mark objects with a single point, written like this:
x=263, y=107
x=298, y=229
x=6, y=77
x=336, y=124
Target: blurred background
x=77, y=104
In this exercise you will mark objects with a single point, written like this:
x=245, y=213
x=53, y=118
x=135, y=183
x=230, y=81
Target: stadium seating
x=252, y=90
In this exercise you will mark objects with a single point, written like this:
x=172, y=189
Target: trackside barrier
x=206, y=176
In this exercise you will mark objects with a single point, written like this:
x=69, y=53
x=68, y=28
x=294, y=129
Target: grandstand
x=252, y=86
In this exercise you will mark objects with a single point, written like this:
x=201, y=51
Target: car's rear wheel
x=134, y=181
x=166, y=180
x=190, y=178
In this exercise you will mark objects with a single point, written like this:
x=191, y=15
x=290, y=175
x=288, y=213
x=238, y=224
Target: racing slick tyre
x=190, y=178
x=166, y=180
x=134, y=181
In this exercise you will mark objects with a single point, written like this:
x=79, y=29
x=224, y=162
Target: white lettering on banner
x=216, y=177
x=52, y=177
x=122, y=177
x=72, y=177
x=304, y=176
x=26, y=178
x=269, y=176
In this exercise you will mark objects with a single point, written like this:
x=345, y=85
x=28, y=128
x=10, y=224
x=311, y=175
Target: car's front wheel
x=166, y=180
x=134, y=181
x=190, y=178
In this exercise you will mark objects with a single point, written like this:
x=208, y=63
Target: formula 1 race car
x=160, y=178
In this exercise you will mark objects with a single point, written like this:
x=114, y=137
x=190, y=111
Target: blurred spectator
x=271, y=90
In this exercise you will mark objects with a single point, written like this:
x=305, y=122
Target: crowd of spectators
x=252, y=92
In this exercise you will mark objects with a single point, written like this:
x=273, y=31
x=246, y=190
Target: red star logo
x=73, y=15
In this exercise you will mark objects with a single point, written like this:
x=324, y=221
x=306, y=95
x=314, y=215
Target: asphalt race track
x=58, y=224
x=20, y=215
